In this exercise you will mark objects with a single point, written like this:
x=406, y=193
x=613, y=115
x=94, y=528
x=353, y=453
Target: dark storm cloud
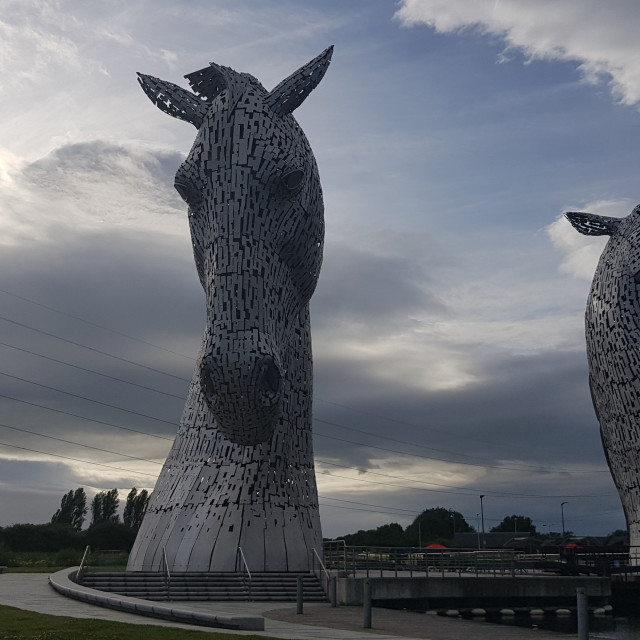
x=360, y=284
x=131, y=283
x=128, y=278
x=116, y=252
x=534, y=409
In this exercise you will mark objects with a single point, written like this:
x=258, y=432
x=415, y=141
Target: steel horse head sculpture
x=240, y=474
x=612, y=323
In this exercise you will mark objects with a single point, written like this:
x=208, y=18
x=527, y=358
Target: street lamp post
x=562, y=512
x=478, y=521
x=484, y=543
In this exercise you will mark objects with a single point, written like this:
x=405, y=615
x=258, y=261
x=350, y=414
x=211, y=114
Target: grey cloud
x=134, y=283
x=69, y=170
x=535, y=409
x=361, y=285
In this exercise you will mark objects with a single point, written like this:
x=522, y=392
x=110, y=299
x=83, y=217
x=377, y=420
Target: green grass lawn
x=16, y=624
x=50, y=562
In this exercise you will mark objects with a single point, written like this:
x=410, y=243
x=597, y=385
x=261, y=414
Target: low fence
x=410, y=561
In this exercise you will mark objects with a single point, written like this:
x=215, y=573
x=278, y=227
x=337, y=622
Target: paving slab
x=318, y=622
x=409, y=624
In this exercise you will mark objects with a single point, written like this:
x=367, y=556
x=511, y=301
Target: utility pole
x=484, y=542
x=562, y=512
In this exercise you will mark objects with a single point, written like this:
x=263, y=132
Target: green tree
x=436, y=525
x=617, y=532
x=73, y=509
x=41, y=537
x=104, y=507
x=135, y=508
x=110, y=535
x=387, y=535
x=516, y=524
x=65, y=513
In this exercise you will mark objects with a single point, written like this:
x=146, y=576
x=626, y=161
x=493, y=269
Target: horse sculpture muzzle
x=243, y=390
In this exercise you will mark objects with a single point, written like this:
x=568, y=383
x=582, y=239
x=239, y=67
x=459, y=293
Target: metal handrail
x=326, y=573
x=246, y=566
x=84, y=555
x=244, y=561
x=166, y=569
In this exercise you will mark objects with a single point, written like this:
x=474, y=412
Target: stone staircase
x=270, y=586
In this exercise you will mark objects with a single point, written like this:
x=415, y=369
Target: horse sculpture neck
x=240, y=472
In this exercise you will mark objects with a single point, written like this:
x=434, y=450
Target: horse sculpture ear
x=174, y=100
x=292, y=91
x=210, y=81
x=591, y=224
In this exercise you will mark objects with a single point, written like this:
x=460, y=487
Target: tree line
x=64, y=531
x=437, y=525
x=104, y=508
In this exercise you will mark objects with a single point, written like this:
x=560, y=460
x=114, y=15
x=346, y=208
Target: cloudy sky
x=448, y=323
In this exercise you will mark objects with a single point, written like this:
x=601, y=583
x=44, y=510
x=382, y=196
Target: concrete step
x=276, y=586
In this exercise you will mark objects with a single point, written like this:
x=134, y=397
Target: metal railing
x=240, y=553
x=410, y=561
x=79, y=572
x=335, y=553
x=167, y=573
x=329, y=585
x=323, y=569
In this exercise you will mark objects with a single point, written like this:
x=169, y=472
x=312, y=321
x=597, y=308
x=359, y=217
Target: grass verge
x=17, y=624
x=50, y=562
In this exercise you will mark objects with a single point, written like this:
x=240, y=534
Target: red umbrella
x=574, y=545
x=435, y=545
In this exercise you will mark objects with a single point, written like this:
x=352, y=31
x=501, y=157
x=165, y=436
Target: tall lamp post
x=562, y=513
x=484, y=544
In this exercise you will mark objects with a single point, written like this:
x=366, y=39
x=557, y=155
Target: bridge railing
x=410, y=561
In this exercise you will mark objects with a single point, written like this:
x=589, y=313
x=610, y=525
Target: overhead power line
x=378, y=416
x=97, y=373
x=78, y=444
x=76, y=415
x=414, y=444
x=471, y=464
x=95, y=324
x=523, y=467
x=75, y=395
x=476, y=491
x=57, y=455
x=366, y=504
x=320, y=420
x=84, y=346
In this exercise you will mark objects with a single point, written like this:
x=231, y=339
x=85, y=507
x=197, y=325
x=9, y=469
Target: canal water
x=600, y=627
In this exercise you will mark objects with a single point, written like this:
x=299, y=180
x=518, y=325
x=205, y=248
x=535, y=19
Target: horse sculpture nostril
x=268, y=380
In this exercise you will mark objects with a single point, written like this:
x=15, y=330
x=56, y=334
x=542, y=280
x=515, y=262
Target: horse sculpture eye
x=292, y=179
x=188, y=192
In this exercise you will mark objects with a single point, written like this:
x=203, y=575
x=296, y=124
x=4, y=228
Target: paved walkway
x=32, y=592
